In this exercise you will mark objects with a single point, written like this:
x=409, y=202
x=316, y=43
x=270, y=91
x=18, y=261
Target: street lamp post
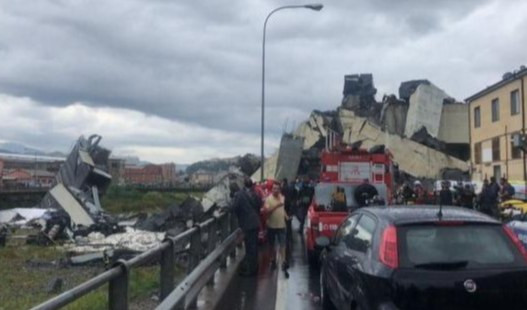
x=315, y=7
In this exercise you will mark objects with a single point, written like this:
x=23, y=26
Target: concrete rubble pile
x=79, y=183
x=425, y=130
x=131, y=239
x=72, y=210
x=175, y=218
x=149, y=232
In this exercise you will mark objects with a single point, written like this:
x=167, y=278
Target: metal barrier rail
x=221, y=234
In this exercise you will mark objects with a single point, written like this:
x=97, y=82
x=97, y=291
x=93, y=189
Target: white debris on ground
x=20, y=216
x=132, y=239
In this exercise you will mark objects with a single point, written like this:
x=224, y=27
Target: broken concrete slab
x=359, y=95
x=79, y=216
x=289, y=156
x=359, y=85
x=407, y=88
x=219, y=195
x=269, y=168
x=393, y=115
x=310, y=135
x=413, y=158
x=426, y=105
x=422, y=136
x=453, y=126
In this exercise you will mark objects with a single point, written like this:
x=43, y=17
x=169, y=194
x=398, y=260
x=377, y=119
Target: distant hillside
x=18, y=148
x=247, y=163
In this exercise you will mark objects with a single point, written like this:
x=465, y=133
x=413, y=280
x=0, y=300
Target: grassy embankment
x=122, y=200
x=23, y=285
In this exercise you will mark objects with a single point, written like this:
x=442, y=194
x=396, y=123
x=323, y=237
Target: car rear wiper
x=443, y=265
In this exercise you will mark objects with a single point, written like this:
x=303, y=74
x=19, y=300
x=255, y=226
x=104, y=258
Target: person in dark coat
x=305, y=195
x=246, y=206
x=507, y=190
x=467, y=197
x=290, y=196
x=407, y=193
x=488, y=199
x=445, y=195
x=494, y=186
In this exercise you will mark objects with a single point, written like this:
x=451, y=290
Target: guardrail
x=213, y=240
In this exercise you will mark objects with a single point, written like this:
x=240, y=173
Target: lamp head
x=314, y=6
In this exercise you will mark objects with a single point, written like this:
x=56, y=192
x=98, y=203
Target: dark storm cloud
x=199, y=61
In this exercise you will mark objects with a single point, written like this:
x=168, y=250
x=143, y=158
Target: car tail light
x=388, y=254
x=515, y=240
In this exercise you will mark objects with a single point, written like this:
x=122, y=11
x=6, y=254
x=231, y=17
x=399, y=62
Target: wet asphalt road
x=270, y=290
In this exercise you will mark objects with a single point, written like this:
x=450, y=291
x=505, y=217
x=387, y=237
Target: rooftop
x=508, y=78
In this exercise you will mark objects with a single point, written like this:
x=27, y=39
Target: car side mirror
x=322, y=242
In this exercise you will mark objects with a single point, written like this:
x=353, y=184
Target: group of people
x=407, y=194
x=278, y=202
x=486, y=201
x=492, y=193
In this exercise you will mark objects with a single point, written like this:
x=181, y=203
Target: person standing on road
x=494, y=187
x=507, y=190
x=290, y=195
x=305, y=195
x=407, y=194
x=467, y=197
x=246, y=206
x=445, y=195
x=488, y=200
x=276, y=226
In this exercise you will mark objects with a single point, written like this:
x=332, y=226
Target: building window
x=477, y=153
x=495, y=110
x=496, y=149
x=497, y=172
x=477, y=117
x=515, y=102
x=516, y=152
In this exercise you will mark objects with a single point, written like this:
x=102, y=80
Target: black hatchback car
x=413, y=257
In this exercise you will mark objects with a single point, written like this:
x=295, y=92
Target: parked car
x=415, y=257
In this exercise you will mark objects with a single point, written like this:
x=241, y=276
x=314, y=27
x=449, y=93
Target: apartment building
x=496, y=113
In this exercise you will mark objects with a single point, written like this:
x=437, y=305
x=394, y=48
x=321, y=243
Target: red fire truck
x=346, y=172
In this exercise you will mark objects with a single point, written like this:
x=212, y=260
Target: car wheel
x=324, y=297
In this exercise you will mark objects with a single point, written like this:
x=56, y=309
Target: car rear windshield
x=459, y=246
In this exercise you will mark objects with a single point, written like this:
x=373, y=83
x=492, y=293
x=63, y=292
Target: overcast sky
x=179, y=81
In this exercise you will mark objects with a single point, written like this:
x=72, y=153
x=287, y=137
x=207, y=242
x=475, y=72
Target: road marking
x=281, y=291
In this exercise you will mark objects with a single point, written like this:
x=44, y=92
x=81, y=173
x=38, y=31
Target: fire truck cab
x=345, y=172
